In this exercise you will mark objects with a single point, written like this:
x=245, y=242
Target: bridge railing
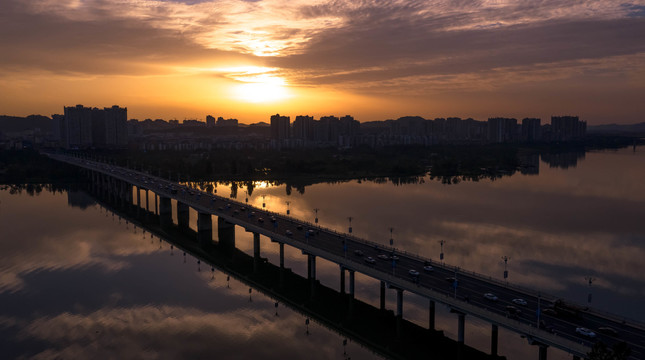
x=458, y=270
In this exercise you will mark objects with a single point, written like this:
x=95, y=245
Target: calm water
x=78, y=282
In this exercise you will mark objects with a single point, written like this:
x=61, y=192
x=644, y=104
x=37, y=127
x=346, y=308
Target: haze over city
x=372, y=59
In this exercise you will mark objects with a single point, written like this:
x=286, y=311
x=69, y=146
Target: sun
x=262, y=88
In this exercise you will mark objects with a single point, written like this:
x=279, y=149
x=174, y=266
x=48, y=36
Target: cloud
x=168, y=332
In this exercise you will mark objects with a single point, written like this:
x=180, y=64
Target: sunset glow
x=382, y=59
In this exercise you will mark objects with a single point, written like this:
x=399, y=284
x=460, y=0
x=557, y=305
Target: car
x=370, y=260
x=585, y=332
x=288, y=233
x=383, y=257
x=490, y=296
x=358, y=253
x=395, y=258
x=273, y=219
x=519, y=301
x=299, y=227
x=428, y=268
x=311, y=232
x=260, y=220
x=413, y=272
x=607, y=331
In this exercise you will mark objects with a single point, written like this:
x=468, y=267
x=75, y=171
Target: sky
x=374, y=60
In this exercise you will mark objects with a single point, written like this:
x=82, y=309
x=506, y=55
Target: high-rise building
x=210, y=121
x=531, y=129
x=116, y=126
x=84, y=127
x=76, y=131
x=221, y=122
x=303, y=128
x=502, y=130
x=280, y=127
x=564, y=128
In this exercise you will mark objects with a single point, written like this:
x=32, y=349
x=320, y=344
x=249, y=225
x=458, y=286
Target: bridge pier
x=431, y=315
x=225, y=234
x=183, y=215
x=138, y=189
x=382, y=299
x=128, y=196
x=342, y=279
x=494, y=339
x=256, y=252
x=461, y=324
x=399, y=312
x=311, y=267
x=147, y=201
x=204, y=229
x=351, y=283
x=542, y=351
x=165, y=212
x=281, y=256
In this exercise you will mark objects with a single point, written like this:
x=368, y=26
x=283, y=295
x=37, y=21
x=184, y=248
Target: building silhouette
x=83, y=127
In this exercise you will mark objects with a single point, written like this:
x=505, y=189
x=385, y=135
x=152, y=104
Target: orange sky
x=374, y=60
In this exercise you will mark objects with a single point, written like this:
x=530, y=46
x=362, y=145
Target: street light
x=441, y=254
x=263, y=203
x=350, y=224
x=316, y=219
x=506, y=259
x=391, y=238
x=288, y=211
x=589, y=280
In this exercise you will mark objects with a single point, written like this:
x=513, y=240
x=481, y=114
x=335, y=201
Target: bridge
x=541, y=318
x=363, y=323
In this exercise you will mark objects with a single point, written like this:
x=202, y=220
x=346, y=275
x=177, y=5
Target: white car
x=413, y=273
x=519, y=302
x=383, y=257
x=585, y=332
x=370, y=260
x=428, y=268
x=490, y=296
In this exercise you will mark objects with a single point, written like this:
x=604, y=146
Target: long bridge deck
x=405, y=272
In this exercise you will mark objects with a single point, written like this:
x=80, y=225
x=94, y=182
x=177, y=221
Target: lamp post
x=589, y=281
x=350, y=224
x=391, y=238
x=247, y=196
x=288, y=211
x=316, y=219
x=441, y=254
x=263, y=203
x=506, y=259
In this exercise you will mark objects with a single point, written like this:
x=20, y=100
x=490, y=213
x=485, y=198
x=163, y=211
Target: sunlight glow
x=261, y=88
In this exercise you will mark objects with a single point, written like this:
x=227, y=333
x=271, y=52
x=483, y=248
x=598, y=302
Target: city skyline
x=374, y=60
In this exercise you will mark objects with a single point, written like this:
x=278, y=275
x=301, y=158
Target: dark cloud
x=389, y=47
x=106, y=45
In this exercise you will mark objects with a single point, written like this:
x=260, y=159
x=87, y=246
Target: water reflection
x=558, y=227
x=91, y=286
